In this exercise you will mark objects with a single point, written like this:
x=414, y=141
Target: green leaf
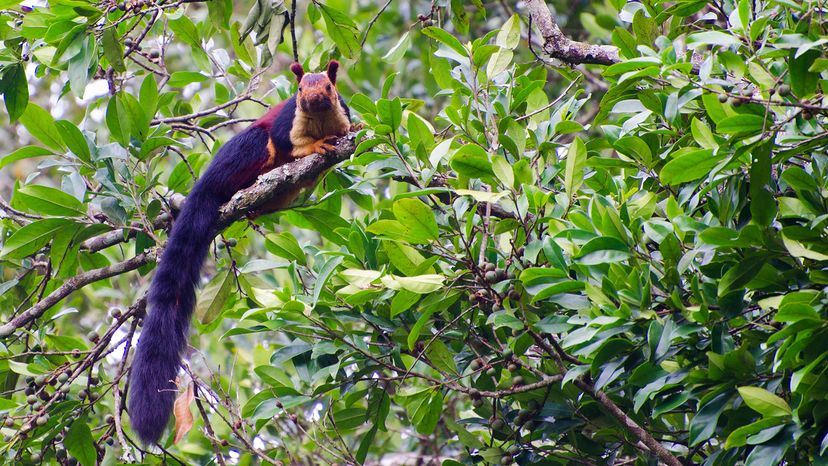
x=466, y=438
x=635, y=148
x=148, y=95
x=390, y=112
x=738, y=438
x=819, y=65
x=151, y=144
x=185, y=78
x=704, y=423
x=186, y=30
x=794, y=312
x=26, y=369
x=764, y=402
x=74, y=139
x=50, y=201
x=645, y=28
x=564, y=286
x=740, y=274
x=602, y=250
x=716, y=111
x=390, y=229
x=417, y=217
x=804, y=375
x=741, y=124
x=632, y=65
x=575, y=162
x=439, y=354
x=342, y=30
x=365, y=443
x=23, y=153
x=703, y=135
x=428, y=414
x=441, y=35
x=15, y=91
x=29, y=239
x=285, y=245
x=113, y=51
x=414, y=334
x=80, y=444
x=800, y=249
x=126, y=119
x=350, y=418
x=625, y=42
x=689, y=166
x=799, y=180
x=472, y=161
x=420, y=133
x=324, y=275
x=403, y=301
x=395, y=53
x=405, y=258
x=41, y=126
x=211, y=299
x=503, y=170
x=483, y=53
x=533, y=274
x=439, y=152
x=803, y=81
x=504, y=319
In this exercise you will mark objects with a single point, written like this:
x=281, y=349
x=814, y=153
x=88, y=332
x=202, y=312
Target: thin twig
x=371, y=23
x=293, y=30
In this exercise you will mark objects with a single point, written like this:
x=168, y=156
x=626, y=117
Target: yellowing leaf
x=764, y=402
x=509, y=35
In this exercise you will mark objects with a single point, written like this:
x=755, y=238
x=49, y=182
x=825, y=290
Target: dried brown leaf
x=183, y=415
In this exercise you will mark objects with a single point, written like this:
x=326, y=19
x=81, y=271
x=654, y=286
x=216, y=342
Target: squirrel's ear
x=333, y=66
x=296, y=68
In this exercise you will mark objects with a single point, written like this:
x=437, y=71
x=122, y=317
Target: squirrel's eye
x=327, y=87
x=300, y=88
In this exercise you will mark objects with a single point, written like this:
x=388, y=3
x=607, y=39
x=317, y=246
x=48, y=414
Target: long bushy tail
x=170, y=302
x=172, y=293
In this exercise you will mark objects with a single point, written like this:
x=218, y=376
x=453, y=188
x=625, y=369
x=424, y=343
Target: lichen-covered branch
x=560, y=47
x=282, y=180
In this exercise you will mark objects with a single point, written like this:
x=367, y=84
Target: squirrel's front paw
x=357, y=126
x=317, y=147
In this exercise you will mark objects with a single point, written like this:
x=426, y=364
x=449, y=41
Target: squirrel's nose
x=319, y=102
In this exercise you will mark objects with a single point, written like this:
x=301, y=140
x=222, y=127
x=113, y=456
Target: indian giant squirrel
x=302, y=125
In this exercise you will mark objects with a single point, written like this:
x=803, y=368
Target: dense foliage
x=527, y=259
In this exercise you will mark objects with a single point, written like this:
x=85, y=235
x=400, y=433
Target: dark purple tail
x=171, y=301
x=172, y=293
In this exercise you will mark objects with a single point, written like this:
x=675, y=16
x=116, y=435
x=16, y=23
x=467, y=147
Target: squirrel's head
x=317, y=91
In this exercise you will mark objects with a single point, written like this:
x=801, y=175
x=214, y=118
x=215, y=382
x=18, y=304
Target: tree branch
x=202, y=113
x=269, y=186
x=646, y=438
x=114, y=237
x=75, y=283
x=558, y=46
x=284, y=179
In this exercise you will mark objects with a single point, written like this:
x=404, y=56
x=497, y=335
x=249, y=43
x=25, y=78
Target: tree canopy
x=569, y=233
